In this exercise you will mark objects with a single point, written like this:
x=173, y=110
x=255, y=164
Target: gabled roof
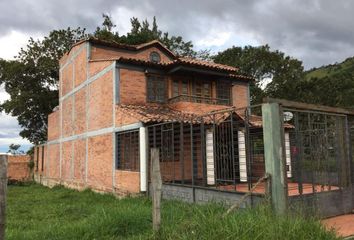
x=231, y=72
x=130, y=47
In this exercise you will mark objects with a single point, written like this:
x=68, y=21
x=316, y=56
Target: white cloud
x=3, y=95
x=214, y=38
x=11, y=43
x=9, y=128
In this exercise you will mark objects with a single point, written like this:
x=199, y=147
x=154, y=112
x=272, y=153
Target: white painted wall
x=288, y=154
x=143, y=158
x=210, y=157
x=242, y=155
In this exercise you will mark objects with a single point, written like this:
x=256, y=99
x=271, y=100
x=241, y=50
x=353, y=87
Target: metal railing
x=199, y=99
x=219, y=151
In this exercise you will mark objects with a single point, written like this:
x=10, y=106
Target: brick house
x=114, y=100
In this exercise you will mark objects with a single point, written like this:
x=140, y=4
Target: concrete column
x=210, y=162
x=143, y=145
x=274, y=150
x=242, y=155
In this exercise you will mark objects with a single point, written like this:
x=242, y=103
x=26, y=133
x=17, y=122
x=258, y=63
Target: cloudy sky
x=317, y=32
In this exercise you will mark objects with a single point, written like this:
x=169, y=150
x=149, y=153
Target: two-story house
x=112, y=98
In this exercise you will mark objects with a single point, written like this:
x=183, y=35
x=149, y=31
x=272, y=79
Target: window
x=128, y=151
x=184, y=87
x=202, y=89
x=223, y=90
x=156, y=88
x=175, y=88
x=155, y=57
x=180, y=87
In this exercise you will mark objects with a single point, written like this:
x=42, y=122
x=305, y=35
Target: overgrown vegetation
x=37, y=212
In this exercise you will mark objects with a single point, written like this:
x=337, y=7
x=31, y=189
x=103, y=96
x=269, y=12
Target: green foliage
x=331, y=85
x=142, y=32
x=105, y=32
x=32, y=81
x=264, y=65
x=36, y=212
x=14, y=149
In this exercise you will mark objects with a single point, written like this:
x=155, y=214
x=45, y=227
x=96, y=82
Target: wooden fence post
x=274, y=150
x=156, y=183
x=3, y=186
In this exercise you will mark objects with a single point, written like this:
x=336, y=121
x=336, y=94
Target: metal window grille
x=128, y=150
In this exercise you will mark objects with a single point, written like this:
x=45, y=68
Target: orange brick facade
x=81, y=147
x=18, y=168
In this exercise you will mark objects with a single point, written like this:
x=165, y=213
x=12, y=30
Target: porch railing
x=199, y=99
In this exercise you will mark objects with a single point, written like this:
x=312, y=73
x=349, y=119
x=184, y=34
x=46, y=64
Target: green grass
x=37, y=212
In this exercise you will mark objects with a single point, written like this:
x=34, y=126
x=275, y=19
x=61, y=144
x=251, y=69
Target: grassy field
x=37, y=212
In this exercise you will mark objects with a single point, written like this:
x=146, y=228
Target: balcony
x=198, y=99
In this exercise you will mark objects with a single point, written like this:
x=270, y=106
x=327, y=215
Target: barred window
x=128, y=150
x=156, y=88
x=223, y=90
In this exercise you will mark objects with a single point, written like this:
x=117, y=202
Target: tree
x=32, y=81
x=143, y=31
x=14, y=149
x=105, y=32
x=275, y=74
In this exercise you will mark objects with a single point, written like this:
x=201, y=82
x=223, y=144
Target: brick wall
x=132, y=87
x=18, y=168
x=83, y=159
x=240, y=97
x=53, y=126
x=103, y=52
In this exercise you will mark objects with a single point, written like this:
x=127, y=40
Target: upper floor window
x=223, y=90
x=180, y=87
x=156, y=88
x=155, y=57
x=202, y=89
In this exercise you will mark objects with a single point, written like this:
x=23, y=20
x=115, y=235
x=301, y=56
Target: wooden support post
x=274, y=150
x=3, y=186
x=156, y=183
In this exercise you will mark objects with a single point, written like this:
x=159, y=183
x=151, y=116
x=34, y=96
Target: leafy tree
x=105, y=32
x=336, y=90
x=143, y=31
x=32, y=81
x=14, y=149
x=331, y=85
x=275, y=74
